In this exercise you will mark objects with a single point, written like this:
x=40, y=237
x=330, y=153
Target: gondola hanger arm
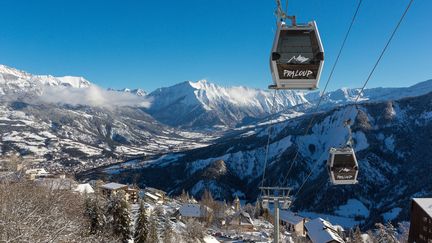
x=348, y=124
x=282, y=15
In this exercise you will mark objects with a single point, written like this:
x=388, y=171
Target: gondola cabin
x=297, y=57
x=342, y=166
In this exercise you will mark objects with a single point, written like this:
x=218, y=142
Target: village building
x=240, y=220
x=112, y=188
x=292, y=222
x=153, y=195
x=321, y=231
x=421, y=221
x=159, y=194
x=192, y=211
x=236, y=204
x=37, y=173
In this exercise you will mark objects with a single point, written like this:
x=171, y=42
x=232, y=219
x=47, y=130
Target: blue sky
x=151, y=44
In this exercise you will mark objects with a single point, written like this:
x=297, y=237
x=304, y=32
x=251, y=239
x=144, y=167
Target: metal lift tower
x=279, y=196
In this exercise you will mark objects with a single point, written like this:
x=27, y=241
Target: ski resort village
x=98, y=210
x=278, y=121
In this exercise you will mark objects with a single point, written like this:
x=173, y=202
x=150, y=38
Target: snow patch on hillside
x=353, y=208
x=392, y=214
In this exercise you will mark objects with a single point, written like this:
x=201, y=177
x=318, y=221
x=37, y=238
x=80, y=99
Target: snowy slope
x=392, y=140
x=346, y=95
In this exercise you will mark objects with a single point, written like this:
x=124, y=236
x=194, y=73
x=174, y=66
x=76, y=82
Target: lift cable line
x=365, y=83
x=326, y=85
x=268, y=138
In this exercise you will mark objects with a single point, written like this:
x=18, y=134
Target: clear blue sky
x=150, y=44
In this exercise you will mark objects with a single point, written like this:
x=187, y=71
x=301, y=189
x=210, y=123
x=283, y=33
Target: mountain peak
x=13, y=71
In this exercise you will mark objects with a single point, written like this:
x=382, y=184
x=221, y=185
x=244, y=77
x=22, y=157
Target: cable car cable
x=273, y=105
x=326, y=85
x=367, y=79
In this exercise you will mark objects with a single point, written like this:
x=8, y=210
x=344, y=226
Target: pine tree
x=95, y=213
x=121, y=220
x=386, y=233
x=152, y=233
x=184, y=197
x=257, y=210
x=207, y=199
x=167, y=231
x=142, y=226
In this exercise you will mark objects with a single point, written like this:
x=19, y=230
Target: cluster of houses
x=317, y=230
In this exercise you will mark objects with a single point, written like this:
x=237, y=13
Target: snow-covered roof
x=290, y=217
x=113, y=186
x=84, y=188
x=243, y=217
x=193, y=210
x=321, y=231
x=425, y=204
x=154, y=197
x=190, y=210
x=39, y=171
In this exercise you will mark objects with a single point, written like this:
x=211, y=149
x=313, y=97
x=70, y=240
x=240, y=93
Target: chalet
x=192, y=210
x=292, y=222
x=241, y=220
x=113, y=188
x=321, y=231
x=152, y=198
x=38, y=173
x=132, y=194
x=421, y=221
x=156, y=192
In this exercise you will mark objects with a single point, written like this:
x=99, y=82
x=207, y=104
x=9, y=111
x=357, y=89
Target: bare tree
x=168, y=233
x=152, y=234
x=194, y=231
x=31, y=213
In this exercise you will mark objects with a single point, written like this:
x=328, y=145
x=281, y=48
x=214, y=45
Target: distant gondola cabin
x=342, y=166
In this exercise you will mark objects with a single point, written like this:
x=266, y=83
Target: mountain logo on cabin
x=298, y=60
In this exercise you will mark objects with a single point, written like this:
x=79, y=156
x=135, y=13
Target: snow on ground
x=392, y=214
x=389, y=143
x=353, y=208
x=360, y=141
x=210, y=239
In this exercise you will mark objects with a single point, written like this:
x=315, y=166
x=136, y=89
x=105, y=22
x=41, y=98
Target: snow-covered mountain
x=13, y=81
x=70, y=123
x=392, y=142
x=204, y=105
x=201, y=105
x=347, y=95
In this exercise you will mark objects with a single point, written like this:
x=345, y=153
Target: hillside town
x=126, y=213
